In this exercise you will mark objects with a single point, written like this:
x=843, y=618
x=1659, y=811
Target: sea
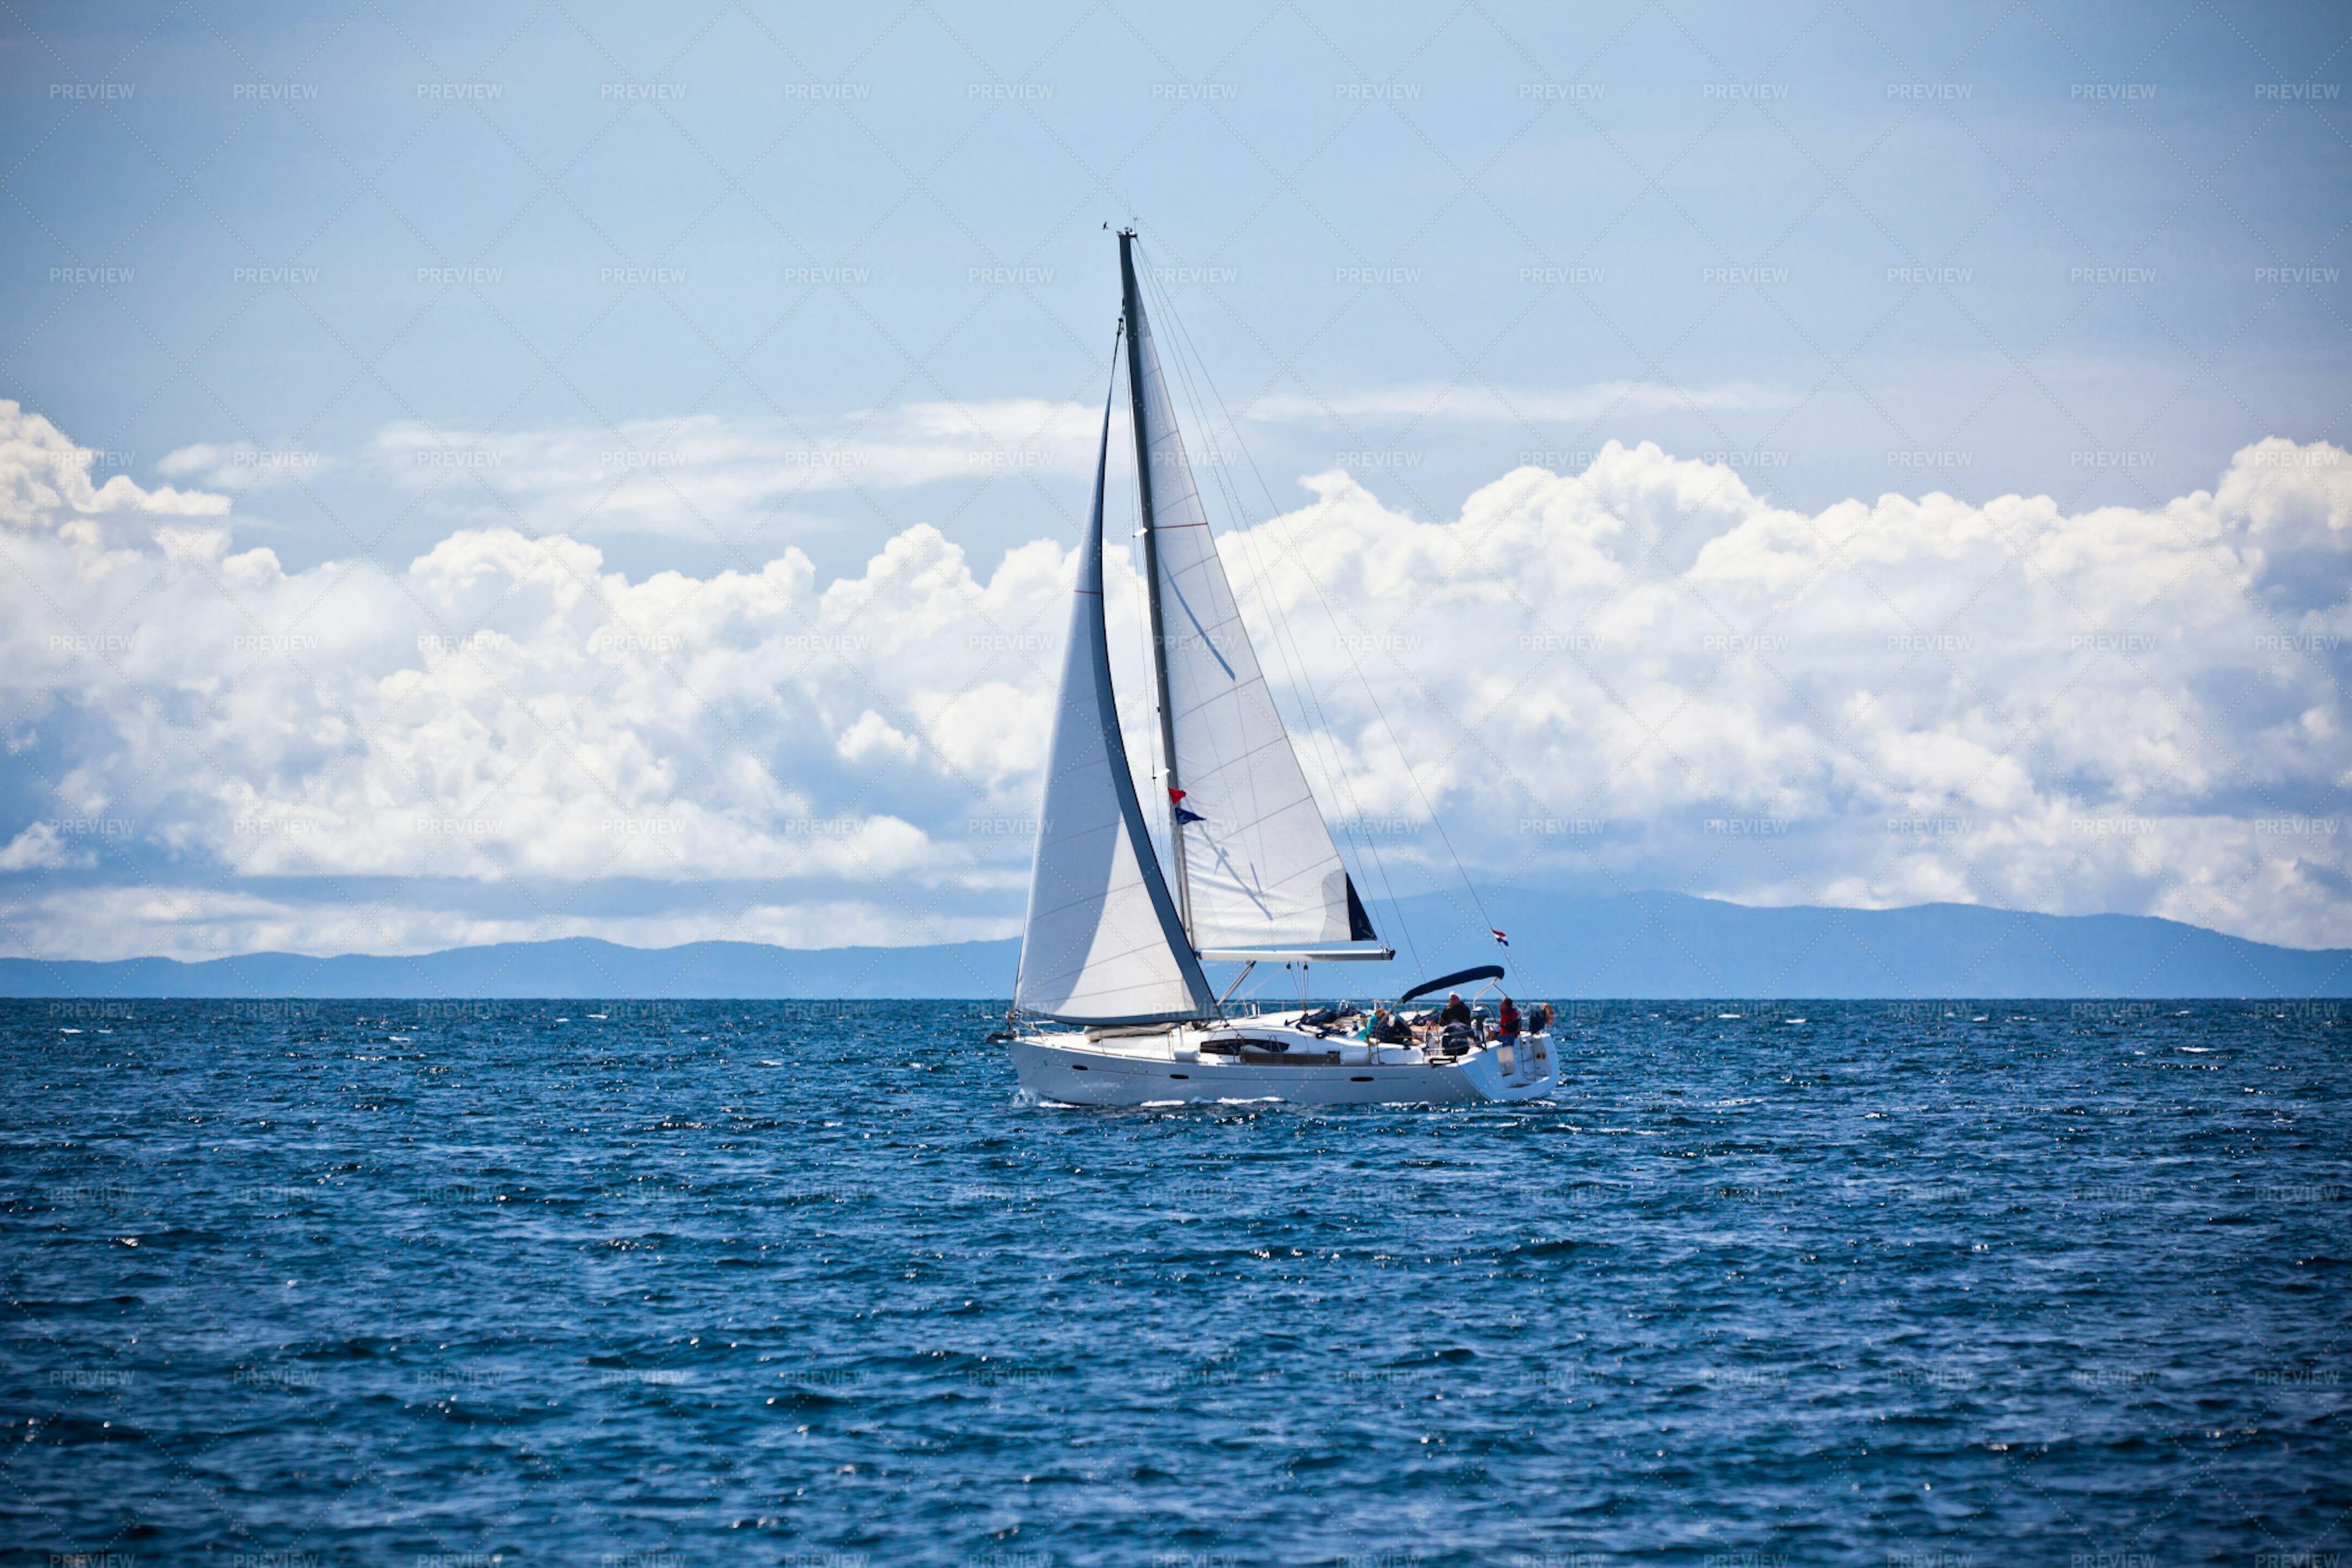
x=286, y=1284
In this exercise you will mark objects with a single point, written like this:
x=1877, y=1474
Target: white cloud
x=45, y=486
x=241, y=465
x=707, y=473
x=40, y=848
x=1480, y=402
x=1641, y=673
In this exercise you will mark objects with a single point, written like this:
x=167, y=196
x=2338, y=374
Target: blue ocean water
x=453, y=1285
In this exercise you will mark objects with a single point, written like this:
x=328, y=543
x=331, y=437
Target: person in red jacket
x=1506, y=1022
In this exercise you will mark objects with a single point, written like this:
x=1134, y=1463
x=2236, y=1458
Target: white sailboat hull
x=1171, y=1069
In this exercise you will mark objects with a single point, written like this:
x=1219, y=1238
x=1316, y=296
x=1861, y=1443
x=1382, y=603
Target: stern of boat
x=1525, y=1069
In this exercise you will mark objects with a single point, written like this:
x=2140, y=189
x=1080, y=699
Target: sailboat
x=1113, y=1004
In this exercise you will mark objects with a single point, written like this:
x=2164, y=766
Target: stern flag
x=1499, y=938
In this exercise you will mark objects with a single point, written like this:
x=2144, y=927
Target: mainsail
x=1102, y=943
x=1255, y=865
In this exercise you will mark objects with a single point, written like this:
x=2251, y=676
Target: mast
x=1132, y=305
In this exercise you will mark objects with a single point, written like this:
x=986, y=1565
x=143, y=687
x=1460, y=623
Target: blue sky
x=698, y=289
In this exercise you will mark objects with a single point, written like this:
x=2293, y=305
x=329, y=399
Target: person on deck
x=1506, y=1022
x=1375, y=1027
x=1456, y=1010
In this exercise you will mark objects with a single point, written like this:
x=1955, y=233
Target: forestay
x=1259, y=866
x=1102, y=943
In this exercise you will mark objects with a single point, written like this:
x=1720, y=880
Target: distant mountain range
x=1633, y=945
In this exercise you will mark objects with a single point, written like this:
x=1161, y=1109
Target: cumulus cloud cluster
x=1641, y=676
x=1648, y=672
x=46, y=488
x=505, y=708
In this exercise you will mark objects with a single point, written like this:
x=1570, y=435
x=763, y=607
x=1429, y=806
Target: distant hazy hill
x=574, y=966
x=1667, y=944
x=1642, y=944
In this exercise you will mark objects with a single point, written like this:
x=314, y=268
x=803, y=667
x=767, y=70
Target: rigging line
x=1404, y=756
x=1186, y=358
